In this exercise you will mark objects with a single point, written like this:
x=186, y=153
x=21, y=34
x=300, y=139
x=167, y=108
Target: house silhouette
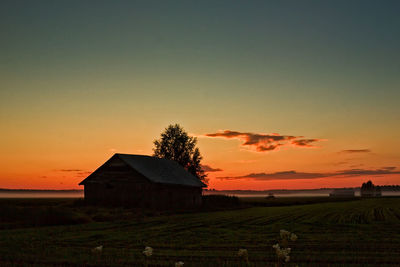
x=144, y=182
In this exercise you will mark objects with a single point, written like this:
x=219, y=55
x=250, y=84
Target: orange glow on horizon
x=328, y=182
x=66, y=164
x=70, y=180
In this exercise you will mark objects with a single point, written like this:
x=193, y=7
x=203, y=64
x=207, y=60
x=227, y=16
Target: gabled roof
x=158, y=170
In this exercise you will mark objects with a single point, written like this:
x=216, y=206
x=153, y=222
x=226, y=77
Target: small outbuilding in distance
x=143, y=182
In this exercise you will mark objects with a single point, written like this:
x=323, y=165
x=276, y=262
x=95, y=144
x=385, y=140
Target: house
x=342, y=192
x=144, y=182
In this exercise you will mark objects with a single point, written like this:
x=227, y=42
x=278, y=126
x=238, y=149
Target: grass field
x=362, y=232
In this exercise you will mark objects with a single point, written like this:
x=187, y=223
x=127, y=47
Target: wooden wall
x=117, y=184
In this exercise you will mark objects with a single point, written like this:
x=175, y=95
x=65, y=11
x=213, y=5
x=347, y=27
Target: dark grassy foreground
x=362, y=232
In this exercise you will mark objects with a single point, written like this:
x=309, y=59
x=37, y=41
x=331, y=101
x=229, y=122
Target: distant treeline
x=213, y=191
x=286, y=191
x=41, y=190
x=390, y=187
x=263, y=192
x=382, y=187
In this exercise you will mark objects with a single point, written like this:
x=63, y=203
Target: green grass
x=363, y=232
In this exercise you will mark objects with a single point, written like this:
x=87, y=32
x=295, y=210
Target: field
x=362, y=232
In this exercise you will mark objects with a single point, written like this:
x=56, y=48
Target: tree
x=368, y=185
x=175, y=144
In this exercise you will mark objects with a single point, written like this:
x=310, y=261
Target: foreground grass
x=363, y=232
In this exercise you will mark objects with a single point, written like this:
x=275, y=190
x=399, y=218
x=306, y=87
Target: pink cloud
x=265, y=142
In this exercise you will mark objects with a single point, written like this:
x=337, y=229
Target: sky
x=280, y=94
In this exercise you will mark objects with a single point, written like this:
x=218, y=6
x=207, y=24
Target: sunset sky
x=280, y=94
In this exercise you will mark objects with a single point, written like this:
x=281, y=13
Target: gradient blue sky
x=79, y=79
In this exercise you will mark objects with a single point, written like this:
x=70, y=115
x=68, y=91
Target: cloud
x=391, y=168
x=284, y=175
x=76, y=172
x=207, y=168
x=69, y=170
x=289, y=175
x=265, y=142
x=357, y=172
x=304, y=142
x=80, y=174
x=349, y=151
x=341, y=163
x=357, y=165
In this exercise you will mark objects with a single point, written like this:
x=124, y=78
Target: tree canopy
x=175, y=144
x=368, y=185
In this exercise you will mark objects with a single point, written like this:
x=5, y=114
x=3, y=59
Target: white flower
x=148, y=251
x=179, y=264
x=283, y=252
x=284, y=234
x=293, y=237
x=242, y=252
x=98, y=249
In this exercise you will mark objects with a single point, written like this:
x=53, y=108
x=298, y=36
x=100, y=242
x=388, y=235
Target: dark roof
x=158, y=170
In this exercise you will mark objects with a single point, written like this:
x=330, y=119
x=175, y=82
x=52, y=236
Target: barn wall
x=115, y=183
x=143, y=195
